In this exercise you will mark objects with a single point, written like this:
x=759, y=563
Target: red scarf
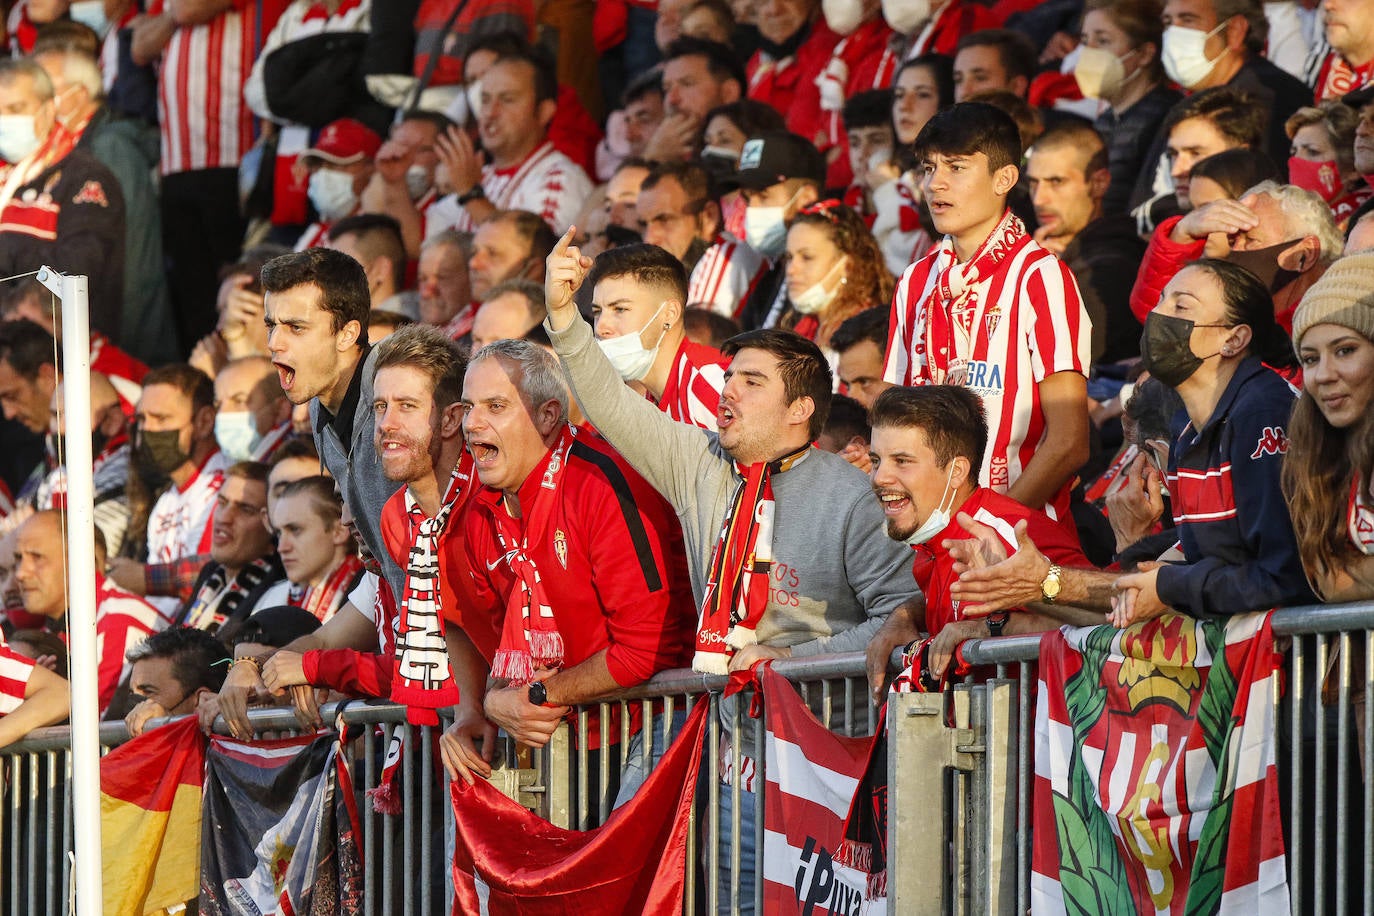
x=422, y=680
x=530, y=638
x=741, y=567
x=954, y=310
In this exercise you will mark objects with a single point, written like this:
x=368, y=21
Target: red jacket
x=934, y=567
x=870, y=64
x=1163, y=258
x=954, y=21
x=791, y=88
x=614, y=568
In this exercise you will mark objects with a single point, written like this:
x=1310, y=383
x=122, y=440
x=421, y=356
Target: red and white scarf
x=422, y=680
x=325, y=599
x=741, y=567
x=955, y=309
x=530, y=638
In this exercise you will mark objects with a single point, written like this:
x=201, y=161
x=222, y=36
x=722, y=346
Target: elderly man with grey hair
x=568, y=537
x=129, y=149
x=58, y=205
x=1281, y=233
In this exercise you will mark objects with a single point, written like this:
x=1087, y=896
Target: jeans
x=747, y=852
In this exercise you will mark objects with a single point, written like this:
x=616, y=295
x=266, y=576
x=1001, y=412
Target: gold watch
x=1049, y=587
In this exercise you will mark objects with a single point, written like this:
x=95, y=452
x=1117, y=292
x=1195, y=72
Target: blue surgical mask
x=90, y=13
x=939, y=516
x=765, y=230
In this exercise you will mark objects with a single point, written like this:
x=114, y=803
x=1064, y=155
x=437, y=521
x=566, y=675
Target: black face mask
x=1264, y=263
x=788, y=46
x=1166, y=351
x=719, y=166
x=160, y=452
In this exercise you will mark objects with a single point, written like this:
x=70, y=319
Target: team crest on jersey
x=91, y=193
x=991, y=319
x=1272, y=441
x=560, y=547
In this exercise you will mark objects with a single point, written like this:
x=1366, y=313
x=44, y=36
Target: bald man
x=253, y=416
x=122, y=620
x=110, y=465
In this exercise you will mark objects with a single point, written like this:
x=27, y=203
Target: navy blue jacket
x=1232, y=520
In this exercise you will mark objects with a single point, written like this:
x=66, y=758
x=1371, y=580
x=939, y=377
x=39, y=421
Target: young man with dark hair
x=171, y=670
x=28, y=373
x=698, y=75
x=1205, y=124
x=828, y=582
x=868, y=142
x=678, y=211
x=927, y=447
x=521, y=170
x=846, y=431
x=994, y=59
x=861, y=342
x=991, y=310
x=174, y=441
x=557, y=510
x=1068, y=179
x=317, y=307
x=639, y=296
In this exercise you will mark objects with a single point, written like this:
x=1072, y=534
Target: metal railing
x=965, y=754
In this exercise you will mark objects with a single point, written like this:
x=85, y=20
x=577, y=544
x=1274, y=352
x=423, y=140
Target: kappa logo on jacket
x=1272, y=441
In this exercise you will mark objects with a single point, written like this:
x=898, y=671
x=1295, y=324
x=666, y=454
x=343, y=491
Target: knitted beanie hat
x=1344, y=295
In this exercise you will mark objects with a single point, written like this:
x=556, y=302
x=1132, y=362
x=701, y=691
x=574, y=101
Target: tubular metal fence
x=959, y=776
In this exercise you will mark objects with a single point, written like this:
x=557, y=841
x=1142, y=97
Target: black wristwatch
x=476, y=192
x=996, y=622
x=538, y=695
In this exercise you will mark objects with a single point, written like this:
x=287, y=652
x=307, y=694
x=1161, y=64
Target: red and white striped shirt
x=122, y=621
x=15, y=670
x=1027, y=323
x=204, y=122
x=179, y=525
x=694, y=385
x=725, y=276
x=547, y=183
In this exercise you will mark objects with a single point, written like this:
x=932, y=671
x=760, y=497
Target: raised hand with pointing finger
x=564, y=271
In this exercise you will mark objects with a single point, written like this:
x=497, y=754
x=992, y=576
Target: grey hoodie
x=836, y=574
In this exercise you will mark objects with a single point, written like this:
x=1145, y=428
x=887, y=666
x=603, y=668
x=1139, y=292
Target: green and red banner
x=1155, y=781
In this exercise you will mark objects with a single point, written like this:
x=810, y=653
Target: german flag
x=150, y=791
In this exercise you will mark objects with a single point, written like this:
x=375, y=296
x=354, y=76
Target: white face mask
x=819, y=295
x=906, y=16
x=418, y=181
x=474, y=94
x=236, y=434
x=843, y=16
x=331, y=191
x=765, y=229
x=1100, y=73
x=17, y=137
x=90, y=13
x=939, y=517
x=1184, y=55
x=627, y=352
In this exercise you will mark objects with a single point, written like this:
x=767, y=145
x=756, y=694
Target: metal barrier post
x=995, y=851
x=921, y=748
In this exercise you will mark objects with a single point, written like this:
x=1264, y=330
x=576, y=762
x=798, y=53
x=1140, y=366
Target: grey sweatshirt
x=836, y=574
x=358, y=470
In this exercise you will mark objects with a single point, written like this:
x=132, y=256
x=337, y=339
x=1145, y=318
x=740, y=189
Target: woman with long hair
x=1322, y=157
x=1326, y=475
x=834, y=271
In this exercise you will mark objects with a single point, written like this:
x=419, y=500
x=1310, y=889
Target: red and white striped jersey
x=122, y=621
x=1027, y=324
x=694, y=385
x=547, y=183
x=14, y=678
x=179, y=525
x=316, y=235
x=725, y=276
x=204, y=122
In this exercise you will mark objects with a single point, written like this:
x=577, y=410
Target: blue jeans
x=632, y=771
x=747, y=853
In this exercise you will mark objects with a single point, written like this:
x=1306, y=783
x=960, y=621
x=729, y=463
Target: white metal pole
x=83, y=664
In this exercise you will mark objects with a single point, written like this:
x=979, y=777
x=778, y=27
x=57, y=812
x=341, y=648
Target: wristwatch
x=476, y=192
x=996, y=622
x=1049, y=588
x=539, y=696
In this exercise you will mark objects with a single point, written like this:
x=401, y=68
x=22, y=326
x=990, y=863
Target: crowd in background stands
x=1051, y=282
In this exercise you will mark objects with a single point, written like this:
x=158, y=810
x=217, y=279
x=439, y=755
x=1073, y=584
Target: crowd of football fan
x=507, y=352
